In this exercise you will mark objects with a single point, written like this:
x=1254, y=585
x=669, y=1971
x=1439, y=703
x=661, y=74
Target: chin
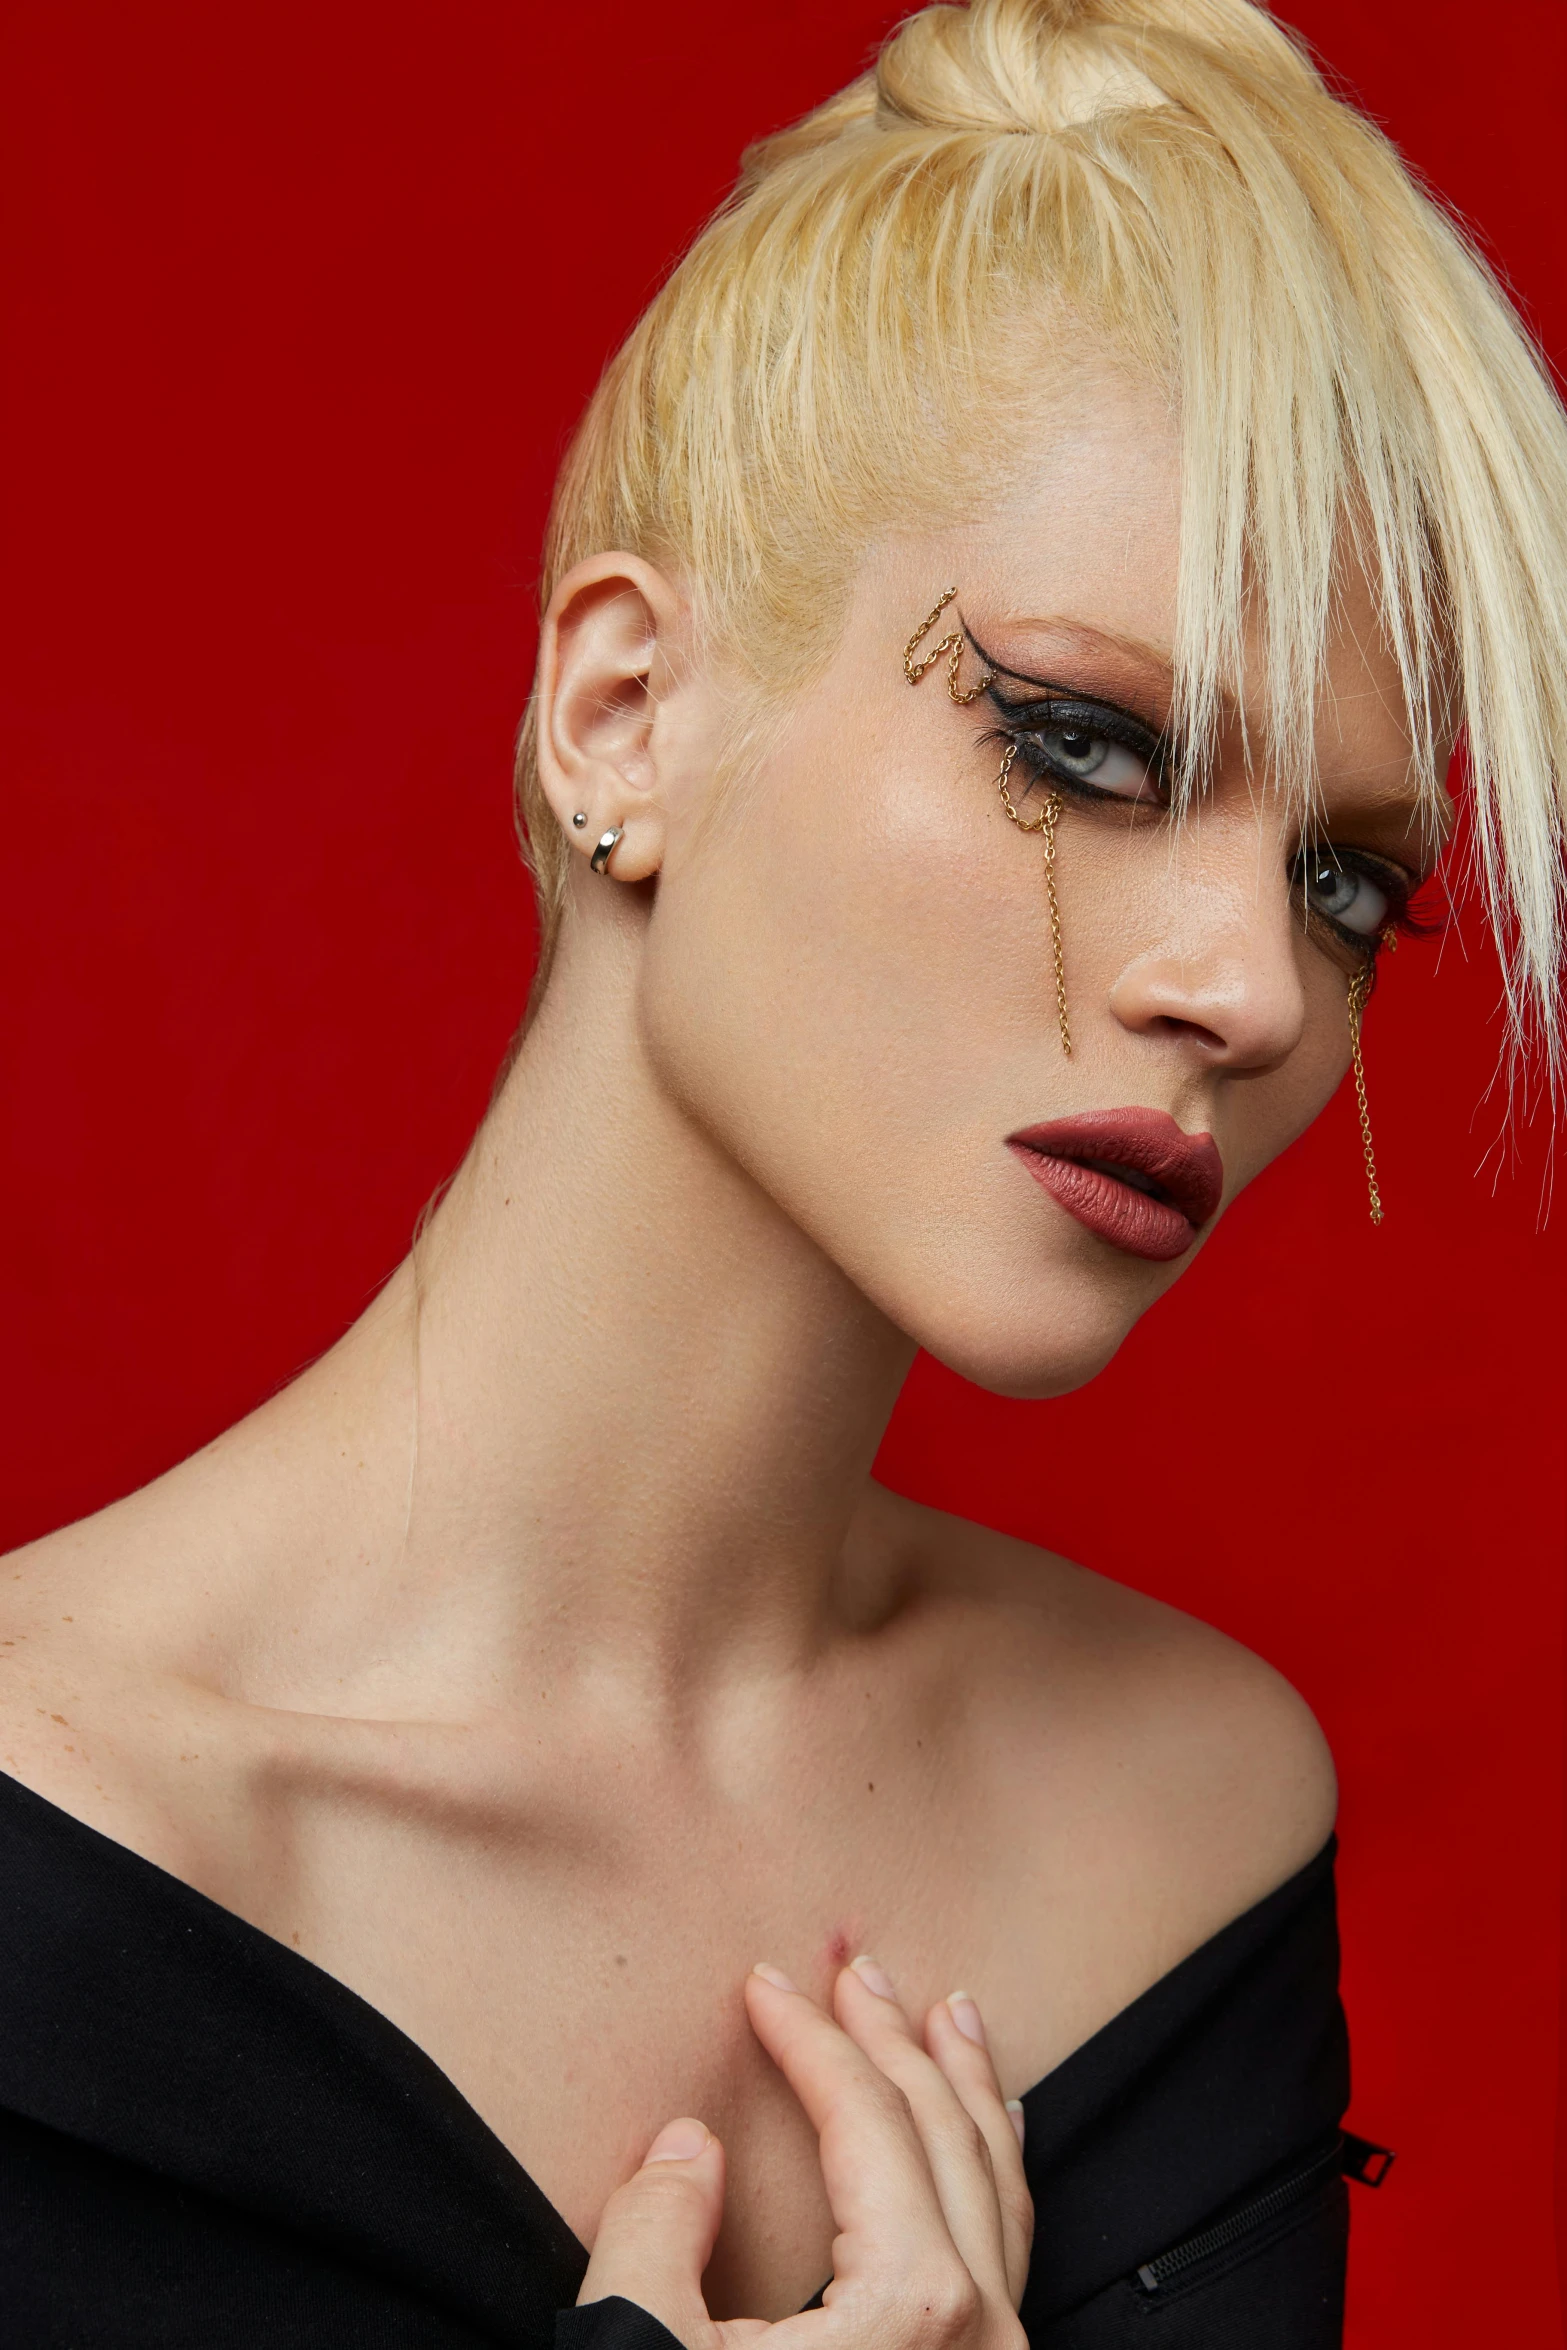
x=1030, y=1357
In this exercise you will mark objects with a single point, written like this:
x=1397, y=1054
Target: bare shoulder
x=97, y=1713
x=1166, y=1755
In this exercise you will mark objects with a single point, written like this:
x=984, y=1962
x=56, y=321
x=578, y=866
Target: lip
x=1073, y=1158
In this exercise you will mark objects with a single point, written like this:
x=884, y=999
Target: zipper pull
x=1366, y=2163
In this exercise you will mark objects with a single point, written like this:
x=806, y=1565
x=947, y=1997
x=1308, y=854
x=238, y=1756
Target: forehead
x=1076, y=551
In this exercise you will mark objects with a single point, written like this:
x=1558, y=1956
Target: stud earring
x=1359, y=996
x=580, y=819
x=606, y=841
x=952, y=645
x=1045, y=824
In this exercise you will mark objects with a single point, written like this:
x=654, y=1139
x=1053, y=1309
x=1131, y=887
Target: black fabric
x=1230, y=2068
x=611, y=2324
x=205, y=2140
x=1280, y=2287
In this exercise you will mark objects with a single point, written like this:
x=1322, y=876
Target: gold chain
x=1359, y=990
x=952, y=646
x=1045, y=824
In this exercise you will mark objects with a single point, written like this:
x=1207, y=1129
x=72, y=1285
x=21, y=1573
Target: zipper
x=1328, y=2163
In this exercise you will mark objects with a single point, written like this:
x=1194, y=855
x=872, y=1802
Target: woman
x=1006, y=618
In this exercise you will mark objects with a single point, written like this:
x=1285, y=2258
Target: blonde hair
x=1176, y=176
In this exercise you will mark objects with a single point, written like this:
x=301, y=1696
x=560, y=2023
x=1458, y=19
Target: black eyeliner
x=1061, y=706
x=1401, y=886
x=1025, y=724
x=1056, y=695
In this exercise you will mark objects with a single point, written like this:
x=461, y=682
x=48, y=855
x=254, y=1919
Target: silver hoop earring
x=600, y=857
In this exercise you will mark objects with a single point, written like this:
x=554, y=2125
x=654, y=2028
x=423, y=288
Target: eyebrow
x=1117, y=666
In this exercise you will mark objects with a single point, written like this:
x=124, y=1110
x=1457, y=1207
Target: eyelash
x=1400, y=888
x=1022, y=722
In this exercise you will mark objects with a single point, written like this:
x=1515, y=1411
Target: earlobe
x=604, y=668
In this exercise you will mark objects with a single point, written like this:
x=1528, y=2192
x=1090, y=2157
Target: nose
x=1224, y=976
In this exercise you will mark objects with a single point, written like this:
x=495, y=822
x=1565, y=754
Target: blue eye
x=1343, y=894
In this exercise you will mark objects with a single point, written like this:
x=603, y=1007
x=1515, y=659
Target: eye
x=1342, y=893
x=1078, y=754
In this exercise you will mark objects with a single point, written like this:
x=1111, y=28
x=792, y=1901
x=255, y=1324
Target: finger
x=656, y=2233
x=955, y=2036
x=879, y=2188
x=955, y=2145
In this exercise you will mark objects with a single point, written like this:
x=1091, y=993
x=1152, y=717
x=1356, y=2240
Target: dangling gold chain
x=1359, y=990
x=1045, y=824
x=1053, y=806
x=952, y=646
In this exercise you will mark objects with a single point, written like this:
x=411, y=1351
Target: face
x=848, y=971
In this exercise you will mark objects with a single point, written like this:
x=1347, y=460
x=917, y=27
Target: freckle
x=619, y=1961
x=70, y=1750
x=67, y=1619
x=870, y=1786
x=295, y=1940
x=60, y=1718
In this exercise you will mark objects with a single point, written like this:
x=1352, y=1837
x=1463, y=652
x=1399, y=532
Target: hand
x=921, y=2159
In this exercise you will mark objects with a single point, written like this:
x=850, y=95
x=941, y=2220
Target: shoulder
x=1197, y=1766
x=97, y=1715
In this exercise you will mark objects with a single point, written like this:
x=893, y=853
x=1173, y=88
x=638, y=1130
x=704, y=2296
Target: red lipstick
x=1133, y=1176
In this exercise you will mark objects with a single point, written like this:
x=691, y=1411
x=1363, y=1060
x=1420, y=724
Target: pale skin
x=540, y=1730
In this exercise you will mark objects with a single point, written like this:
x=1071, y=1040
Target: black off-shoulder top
x=208, y=2143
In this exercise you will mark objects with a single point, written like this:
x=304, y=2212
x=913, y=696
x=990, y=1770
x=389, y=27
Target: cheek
x=1275, y=1110
x=822, y=968
x=848, y=986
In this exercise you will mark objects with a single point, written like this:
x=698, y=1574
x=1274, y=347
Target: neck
x=641, y=1405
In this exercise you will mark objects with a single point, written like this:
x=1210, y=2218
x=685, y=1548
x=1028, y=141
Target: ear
x=605, y=665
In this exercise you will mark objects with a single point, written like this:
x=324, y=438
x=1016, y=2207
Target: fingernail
x=874, y=1977
x=680, y=2141
x=1016, y=2116
x=775, y=1976
x=966, y=2016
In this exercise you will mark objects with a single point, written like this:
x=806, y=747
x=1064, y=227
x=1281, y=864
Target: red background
x=301, y=301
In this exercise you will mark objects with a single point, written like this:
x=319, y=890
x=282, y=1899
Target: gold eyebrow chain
x=1045, y=823
x=952, y=645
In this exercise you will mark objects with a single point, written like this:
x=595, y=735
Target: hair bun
x=1013, y=65
x=997, y=67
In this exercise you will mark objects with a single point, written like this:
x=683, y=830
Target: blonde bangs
x=1175, y=175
